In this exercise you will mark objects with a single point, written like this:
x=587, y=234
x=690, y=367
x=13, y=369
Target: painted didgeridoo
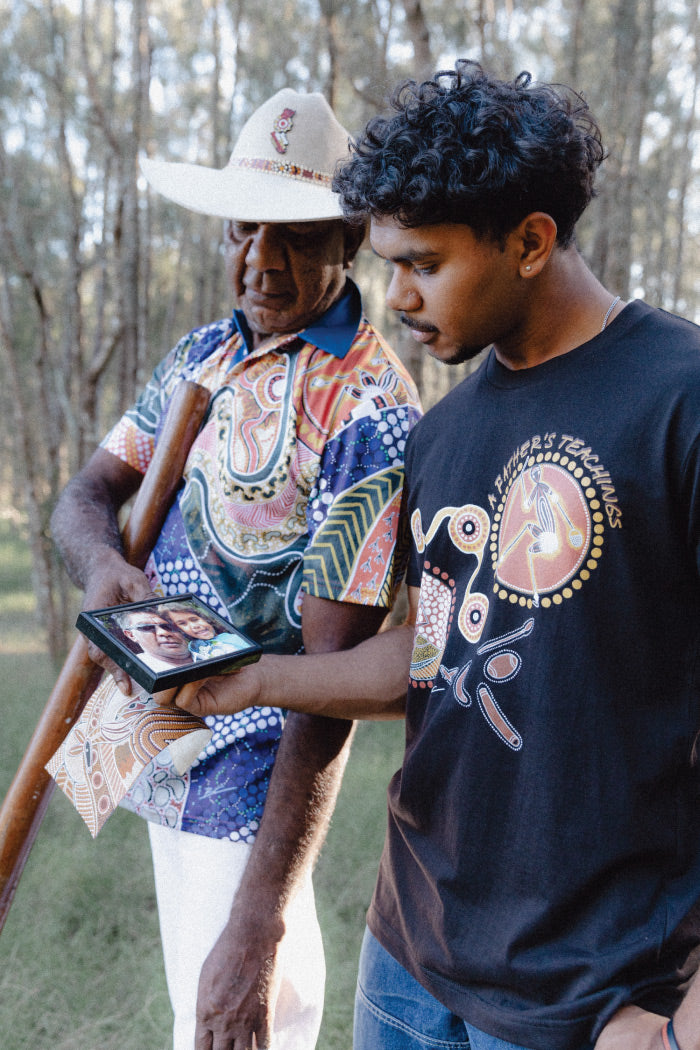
x=27, y=799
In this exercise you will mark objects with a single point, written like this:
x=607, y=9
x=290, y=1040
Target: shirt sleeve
x=357, y=549
x=134, y=437
x=414, y=559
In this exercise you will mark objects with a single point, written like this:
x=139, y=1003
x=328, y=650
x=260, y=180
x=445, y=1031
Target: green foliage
x=80, y=965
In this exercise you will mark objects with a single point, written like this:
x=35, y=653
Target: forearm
x=368, y=681
x=86, y=531
x=313, y=751
x=301, y=797
x=85, y=527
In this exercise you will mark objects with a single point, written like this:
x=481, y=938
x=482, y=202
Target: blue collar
x=333, y=332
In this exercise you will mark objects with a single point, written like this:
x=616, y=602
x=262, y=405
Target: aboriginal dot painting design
x=544, y=537
x=113, y=741
x=469, y=531
x=468, y=528
x=435, y=612
x=547, y=533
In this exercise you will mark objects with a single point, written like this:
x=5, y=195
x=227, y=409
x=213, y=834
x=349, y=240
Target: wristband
x=669, y=1036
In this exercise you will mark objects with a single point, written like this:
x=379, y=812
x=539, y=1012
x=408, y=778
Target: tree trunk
x=634, y=28
x=419, y=35
x=686, y=171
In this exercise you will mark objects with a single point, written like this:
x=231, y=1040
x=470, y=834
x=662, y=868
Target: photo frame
x=162, y=643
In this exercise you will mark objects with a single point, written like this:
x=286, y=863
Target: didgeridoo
x=26, y=801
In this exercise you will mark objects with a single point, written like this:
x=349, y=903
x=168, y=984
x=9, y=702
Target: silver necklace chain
x=612, y=306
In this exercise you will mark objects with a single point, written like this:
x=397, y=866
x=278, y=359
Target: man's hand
x=225, y=694
x=632, y=1028
x=113, y=581
x=238, y=988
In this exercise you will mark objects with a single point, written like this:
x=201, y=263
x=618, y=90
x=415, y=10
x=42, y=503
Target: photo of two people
x=165, y=642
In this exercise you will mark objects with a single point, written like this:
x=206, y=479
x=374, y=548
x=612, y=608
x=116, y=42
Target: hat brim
x=246, y=196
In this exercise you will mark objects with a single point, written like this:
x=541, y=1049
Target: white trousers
x=196, y=880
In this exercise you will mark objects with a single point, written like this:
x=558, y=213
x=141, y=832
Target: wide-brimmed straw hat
x=280, y=169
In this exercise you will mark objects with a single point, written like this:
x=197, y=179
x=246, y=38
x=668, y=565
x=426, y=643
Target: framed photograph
x=164, y=642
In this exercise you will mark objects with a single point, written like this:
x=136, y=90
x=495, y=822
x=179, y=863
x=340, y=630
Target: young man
x=539, y=880
x=291, y=489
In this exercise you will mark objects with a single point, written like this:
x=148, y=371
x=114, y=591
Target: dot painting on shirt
x=545, y=538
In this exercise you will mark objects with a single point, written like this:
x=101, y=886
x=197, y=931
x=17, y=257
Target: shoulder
x=198, y=646
x=366, y=382
x=642, y=313
x=659, y=361
x=372, y=355
x=191, y=353
x=203, y=341
x=666, y=337
x=371, y=347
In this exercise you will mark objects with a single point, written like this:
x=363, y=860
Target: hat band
x=281, y=167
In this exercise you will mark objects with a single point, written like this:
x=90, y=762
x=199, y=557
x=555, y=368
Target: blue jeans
x=394, y=1012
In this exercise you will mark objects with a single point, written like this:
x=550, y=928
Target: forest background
x=99, y=278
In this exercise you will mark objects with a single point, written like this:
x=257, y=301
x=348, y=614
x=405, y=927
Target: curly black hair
x=468, y=148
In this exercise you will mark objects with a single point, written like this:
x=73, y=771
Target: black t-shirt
x=543, y=850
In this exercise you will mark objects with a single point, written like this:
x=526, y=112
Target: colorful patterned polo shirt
x=293, y=484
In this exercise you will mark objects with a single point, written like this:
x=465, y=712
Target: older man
x=285, y=522
x=162, y=645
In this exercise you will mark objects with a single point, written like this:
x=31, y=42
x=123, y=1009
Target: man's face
x=158, y=637
x=457, y=293
x=285, y=275
x=191, y=624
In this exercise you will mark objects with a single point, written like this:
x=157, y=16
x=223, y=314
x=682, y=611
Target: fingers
x=187, y=697
x=225, y=694
x=207, y=696
x=166, y=697
x=121, y=678
x=114, y=582
x=205, y=1039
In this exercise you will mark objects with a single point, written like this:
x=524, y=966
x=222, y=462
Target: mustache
x=417, y=326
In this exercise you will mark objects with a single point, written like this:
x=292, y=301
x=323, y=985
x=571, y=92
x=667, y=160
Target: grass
x=80, y=962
